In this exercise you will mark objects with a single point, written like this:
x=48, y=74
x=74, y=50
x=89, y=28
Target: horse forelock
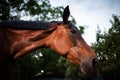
x=26, y=25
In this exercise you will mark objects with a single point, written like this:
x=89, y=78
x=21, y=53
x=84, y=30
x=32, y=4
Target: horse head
x=68, y=42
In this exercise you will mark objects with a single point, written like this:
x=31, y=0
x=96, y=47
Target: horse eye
x=73, y=31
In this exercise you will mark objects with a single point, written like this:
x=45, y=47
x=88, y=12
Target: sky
x=91, y=13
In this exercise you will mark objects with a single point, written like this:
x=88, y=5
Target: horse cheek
x=62, y=46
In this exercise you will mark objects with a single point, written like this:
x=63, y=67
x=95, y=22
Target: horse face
x=69, y=42
x=80, y=53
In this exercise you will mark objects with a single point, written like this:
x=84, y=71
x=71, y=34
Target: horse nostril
x=95, y=63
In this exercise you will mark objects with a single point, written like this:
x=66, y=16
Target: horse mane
x=26, y=25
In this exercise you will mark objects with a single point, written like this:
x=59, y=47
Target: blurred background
x=97, y=20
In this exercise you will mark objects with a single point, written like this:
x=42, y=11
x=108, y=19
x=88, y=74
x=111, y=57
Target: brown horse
x=18, y=38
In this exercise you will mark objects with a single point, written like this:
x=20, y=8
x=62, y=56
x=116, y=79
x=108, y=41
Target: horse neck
x=16, y=43
x=32, y=40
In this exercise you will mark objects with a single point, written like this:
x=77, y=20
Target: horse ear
x=66, y=14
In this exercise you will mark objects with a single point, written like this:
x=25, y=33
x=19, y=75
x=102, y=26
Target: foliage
x=81, y=28
x=107, y=47
x=37, y=9
x=38, y=64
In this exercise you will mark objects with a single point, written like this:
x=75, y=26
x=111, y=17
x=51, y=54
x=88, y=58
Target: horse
x=18, y=38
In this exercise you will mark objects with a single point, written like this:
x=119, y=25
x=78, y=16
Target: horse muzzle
x=89, y=67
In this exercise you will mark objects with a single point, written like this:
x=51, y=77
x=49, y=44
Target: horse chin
x=83, y=71
x=86, y=72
